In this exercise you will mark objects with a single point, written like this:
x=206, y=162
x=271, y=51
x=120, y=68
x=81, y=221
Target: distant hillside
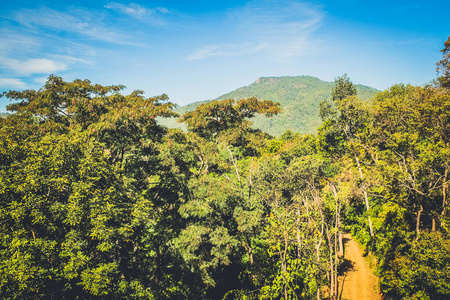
x=299, y=97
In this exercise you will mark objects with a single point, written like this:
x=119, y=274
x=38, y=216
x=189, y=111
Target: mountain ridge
x=299, y=97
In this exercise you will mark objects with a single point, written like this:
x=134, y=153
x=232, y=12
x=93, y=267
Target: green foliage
x=422, y=272
x=86, y=173
x=98, y=200
x=59, y=199
x=226, y=121
x=343, y=88
x=410, y=130
x=298, y=96
x=443, y=66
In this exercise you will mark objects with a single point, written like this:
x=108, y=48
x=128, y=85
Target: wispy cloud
x=81, y=22
x=226, y=50
x=36, y=42
x=67, y=59
x=137, y=11
x=13, y=83
x=283, y=28
x=13, y=40
x=32, y=66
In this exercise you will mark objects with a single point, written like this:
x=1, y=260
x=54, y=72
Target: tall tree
x=443, y=66
x=92, y=186
x=343, y=88
x=343, y=128
x=228, y=121
x=222, y=212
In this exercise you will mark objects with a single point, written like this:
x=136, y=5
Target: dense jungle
x=100, y=201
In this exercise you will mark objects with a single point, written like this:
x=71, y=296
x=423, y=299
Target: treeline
x=99, y=201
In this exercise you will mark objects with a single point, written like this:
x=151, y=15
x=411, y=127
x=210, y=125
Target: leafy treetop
x=443, y=66
x=226, y=121
x=343, y=88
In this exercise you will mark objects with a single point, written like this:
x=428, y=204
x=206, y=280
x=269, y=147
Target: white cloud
x=162, y=10
x=73, y=60
x=283, y=28
x=12, y=83
x=12, y=40
x=151, y=15
x=268, y=19
x=32, y=66
x=226, y=50
x=131, y=9
x=81, y=22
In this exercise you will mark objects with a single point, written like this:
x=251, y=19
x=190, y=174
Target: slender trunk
x=338, y=220
x=283, y=271
x=444, y=193
x=249, y=250
x=250, y=181
x=286, y=240
x=335, y=265
x=299, y=241
x=235, y=166
x=433, y=225
x=330, y=250
x=341, y=245
x=335, y=245
x=201, y=166
x=318, y=243
x=366, y=198
x=418, y=221
x=370, y=227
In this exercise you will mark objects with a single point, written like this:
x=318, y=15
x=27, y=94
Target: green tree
x=60, y=201
x=100, y=207
x=344, y=133
x=227, y=121
x=443, y=66
x=222, y=213
x=343, y=88
x=409, y=126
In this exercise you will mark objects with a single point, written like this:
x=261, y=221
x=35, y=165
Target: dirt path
x=358, y=282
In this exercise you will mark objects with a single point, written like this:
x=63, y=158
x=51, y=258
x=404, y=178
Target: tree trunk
x=299, y=241
x=366, y=198
x=331, y=266
x=341, y=245
x=338, y=221
x=337, y=225
x=444, y=193
x=250, y=181
x=418, y=221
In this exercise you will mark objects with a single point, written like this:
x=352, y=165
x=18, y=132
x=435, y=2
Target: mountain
x=299, y=97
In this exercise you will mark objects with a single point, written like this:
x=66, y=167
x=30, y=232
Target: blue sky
x=197, y=50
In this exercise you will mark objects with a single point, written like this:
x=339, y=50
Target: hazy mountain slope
x=299, y=97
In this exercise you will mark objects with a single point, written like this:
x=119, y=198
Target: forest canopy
x=98, y=200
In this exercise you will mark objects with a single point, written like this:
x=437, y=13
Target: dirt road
x=358, y=283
